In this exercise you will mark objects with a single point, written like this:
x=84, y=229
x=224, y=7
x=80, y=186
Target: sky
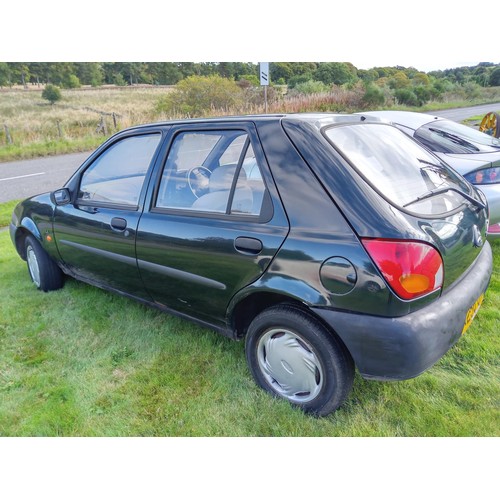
x=427, y=35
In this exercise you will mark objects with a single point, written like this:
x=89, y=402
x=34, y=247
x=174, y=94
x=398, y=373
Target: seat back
x=219, y=188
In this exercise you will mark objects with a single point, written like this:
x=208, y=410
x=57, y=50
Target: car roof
x=409, y=119
x=318, y=119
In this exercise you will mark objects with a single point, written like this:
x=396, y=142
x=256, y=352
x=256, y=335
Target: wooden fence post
x=102, y=126
x=8, y=137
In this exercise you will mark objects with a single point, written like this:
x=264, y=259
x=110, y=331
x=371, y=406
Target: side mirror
x=61, y=196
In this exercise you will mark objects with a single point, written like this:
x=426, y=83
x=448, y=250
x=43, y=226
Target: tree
x=4, y=74
x=420, y=79
x=21, y=73
x=90, y=73
x=399, y=80
x=336, y=72
x=165, y=73
x=51, y=93
x=494, y=80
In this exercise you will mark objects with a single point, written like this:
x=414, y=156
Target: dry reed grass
x=31, y=119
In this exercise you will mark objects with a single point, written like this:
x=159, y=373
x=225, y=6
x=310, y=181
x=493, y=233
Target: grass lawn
x=84, y=362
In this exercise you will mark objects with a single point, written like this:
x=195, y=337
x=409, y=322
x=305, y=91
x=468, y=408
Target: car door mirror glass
x=61, y=197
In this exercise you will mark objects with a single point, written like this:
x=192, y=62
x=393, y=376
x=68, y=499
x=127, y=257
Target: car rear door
x=215, y=220
x=95, y=233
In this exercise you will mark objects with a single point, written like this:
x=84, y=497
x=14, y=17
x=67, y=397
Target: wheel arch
x=25, y=229
x=242, y=313
x=252, y=305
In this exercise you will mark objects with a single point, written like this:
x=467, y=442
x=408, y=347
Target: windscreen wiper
x=435, y=165
x=442, y=190
x=456, y=139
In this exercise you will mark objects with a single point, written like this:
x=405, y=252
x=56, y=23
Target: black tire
x=292, y=355
x=43, y=271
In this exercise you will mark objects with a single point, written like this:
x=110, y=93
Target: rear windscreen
x=399, y=168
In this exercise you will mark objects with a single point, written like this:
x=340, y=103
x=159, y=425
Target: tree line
x=76, y=74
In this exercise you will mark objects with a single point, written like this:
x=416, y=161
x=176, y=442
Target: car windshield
x=446, y=136
x=399, y=168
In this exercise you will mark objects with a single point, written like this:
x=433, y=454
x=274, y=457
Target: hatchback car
x=473, y=154
x=327, y=242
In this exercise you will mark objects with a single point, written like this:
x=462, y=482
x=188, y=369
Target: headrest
x=222, y=177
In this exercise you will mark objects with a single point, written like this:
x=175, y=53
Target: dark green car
x=327, y=242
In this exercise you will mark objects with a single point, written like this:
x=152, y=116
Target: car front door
x=95, y=233
x=214, y=223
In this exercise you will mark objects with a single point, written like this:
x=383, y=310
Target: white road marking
x=21, y=176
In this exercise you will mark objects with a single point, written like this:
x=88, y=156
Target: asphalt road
x=21, y=179
x=460, y=114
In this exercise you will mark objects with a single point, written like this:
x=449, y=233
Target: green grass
x=84, y=362
x=6, y=212
x=49, y=147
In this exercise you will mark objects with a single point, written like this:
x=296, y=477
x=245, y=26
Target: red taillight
x=411, y=268
x=494, y=229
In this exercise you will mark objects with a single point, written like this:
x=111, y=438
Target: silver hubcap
x=33, y=266
x=290, y=365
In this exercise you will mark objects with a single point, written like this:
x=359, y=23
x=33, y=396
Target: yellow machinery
x=490, y=124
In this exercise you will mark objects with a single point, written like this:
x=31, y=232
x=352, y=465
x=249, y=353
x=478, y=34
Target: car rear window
x=398, y=168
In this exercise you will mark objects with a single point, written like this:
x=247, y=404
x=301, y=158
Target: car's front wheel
x=44, y=272
x=292, y=355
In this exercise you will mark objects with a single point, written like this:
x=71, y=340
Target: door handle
x=251, y=246
x=118, y=224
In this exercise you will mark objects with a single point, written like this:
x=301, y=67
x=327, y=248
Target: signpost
x=264, y=79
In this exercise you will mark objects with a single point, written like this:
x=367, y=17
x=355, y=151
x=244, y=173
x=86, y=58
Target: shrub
x=374, y=96
x=311, y=87
x=246, y=81
x=472, y=90
x=406, y=96
x=295, y=80
x=199, y=95
x=72, y=82
x=118, y=80
x=51, y=93
x=423, y=94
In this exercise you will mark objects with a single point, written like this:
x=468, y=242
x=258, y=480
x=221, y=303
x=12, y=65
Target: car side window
x=212, y=171
x=117, y=175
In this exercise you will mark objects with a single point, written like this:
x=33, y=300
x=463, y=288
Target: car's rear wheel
x=292, y=355
x=44, y=272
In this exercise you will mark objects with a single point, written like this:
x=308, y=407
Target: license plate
x=471, y=313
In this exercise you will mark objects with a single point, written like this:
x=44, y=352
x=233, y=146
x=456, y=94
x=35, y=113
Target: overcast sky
x=428, y=34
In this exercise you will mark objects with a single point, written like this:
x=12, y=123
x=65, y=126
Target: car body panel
x=92, y=250
x=430, y=332
x=384, y=220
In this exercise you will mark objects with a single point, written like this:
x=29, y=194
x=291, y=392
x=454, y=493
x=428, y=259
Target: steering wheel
x=197, y=179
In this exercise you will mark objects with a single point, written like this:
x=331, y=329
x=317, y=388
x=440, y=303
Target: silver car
x=473, y=154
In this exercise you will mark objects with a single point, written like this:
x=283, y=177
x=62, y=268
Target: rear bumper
x=402, y=348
